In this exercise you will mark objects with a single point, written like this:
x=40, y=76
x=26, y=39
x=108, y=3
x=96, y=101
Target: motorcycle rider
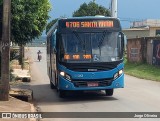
x=39, y=55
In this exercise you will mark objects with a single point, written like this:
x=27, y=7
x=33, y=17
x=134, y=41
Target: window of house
x=157, y=32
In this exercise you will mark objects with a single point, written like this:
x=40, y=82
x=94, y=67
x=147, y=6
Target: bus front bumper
x=69, y=85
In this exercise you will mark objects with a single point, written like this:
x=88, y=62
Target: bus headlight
x=116, y=75
x=62, y=73
x=65, y=75
x=120, y=72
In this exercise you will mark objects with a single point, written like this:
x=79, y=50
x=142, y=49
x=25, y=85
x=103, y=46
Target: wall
x=145, y=49
x=156, y=52
x=134, y=50
x=136, y=32
x=152, y=31
x=149, y=51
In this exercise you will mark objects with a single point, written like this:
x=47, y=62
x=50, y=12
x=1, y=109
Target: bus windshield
x=81, y=47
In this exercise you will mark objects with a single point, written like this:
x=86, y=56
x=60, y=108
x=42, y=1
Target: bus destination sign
x=89, y=24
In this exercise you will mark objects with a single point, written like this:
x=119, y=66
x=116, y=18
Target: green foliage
x=29, y=18
x=50, y=24
x=142, y=70
x=91, y=9
x=1, y=1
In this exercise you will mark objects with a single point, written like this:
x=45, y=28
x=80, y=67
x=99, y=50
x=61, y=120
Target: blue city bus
x=85, y=54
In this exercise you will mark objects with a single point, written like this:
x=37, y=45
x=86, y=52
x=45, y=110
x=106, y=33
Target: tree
x=50, y=24
x=1, y=11
x=5, y=52
x=85, y=9
x=29, y=18
x=91, y=9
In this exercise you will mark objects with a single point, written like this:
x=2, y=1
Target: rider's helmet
x=38, y=52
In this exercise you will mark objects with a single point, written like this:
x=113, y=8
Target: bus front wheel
x=52, y=85
x=109, y=92
x=62, y=93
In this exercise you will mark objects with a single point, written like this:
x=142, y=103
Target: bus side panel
x=48, y=56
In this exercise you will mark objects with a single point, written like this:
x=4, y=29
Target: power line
x=130, y=19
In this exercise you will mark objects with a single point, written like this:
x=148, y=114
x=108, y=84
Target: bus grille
x=84, y=83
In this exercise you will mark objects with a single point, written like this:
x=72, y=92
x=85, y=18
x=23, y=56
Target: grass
x=143, y=71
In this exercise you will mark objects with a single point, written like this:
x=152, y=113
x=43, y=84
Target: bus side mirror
x=125, y=42
x=122, y=39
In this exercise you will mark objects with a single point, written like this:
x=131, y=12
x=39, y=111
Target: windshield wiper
x=81, y=41
x=76, y=34
x=102, y=39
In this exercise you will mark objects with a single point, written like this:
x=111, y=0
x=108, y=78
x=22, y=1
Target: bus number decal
x=89, y=24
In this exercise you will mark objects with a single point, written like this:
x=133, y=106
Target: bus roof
x=89, y=17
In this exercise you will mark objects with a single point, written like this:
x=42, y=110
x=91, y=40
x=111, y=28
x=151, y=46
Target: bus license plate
x=92, y=84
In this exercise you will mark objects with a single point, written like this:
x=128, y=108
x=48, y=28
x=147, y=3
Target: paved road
x=139, y=95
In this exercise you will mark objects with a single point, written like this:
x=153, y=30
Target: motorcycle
x=39, y=57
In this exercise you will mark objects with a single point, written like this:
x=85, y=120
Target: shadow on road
x=43, y=94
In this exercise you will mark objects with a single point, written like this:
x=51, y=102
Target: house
x=146, y=28
x=143, y=42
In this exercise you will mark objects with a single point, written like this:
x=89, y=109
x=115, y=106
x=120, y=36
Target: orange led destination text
x=76, y=57
x=89, y=24
x=88, y=56
x=66, y=57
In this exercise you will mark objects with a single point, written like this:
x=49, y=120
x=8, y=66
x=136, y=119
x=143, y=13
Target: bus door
x=53, y=58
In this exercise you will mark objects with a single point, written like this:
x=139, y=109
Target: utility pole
x=5, y=52
x=114, y=8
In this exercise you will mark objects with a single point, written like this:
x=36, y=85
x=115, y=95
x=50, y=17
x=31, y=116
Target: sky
x=128, y=10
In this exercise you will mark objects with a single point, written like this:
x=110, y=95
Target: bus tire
x=56, y=81
x=52, y=85
x=62, y=93
x=109, y=92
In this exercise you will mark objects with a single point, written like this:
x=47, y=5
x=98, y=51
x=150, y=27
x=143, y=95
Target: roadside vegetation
x=142, y=70
x=90, y=9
